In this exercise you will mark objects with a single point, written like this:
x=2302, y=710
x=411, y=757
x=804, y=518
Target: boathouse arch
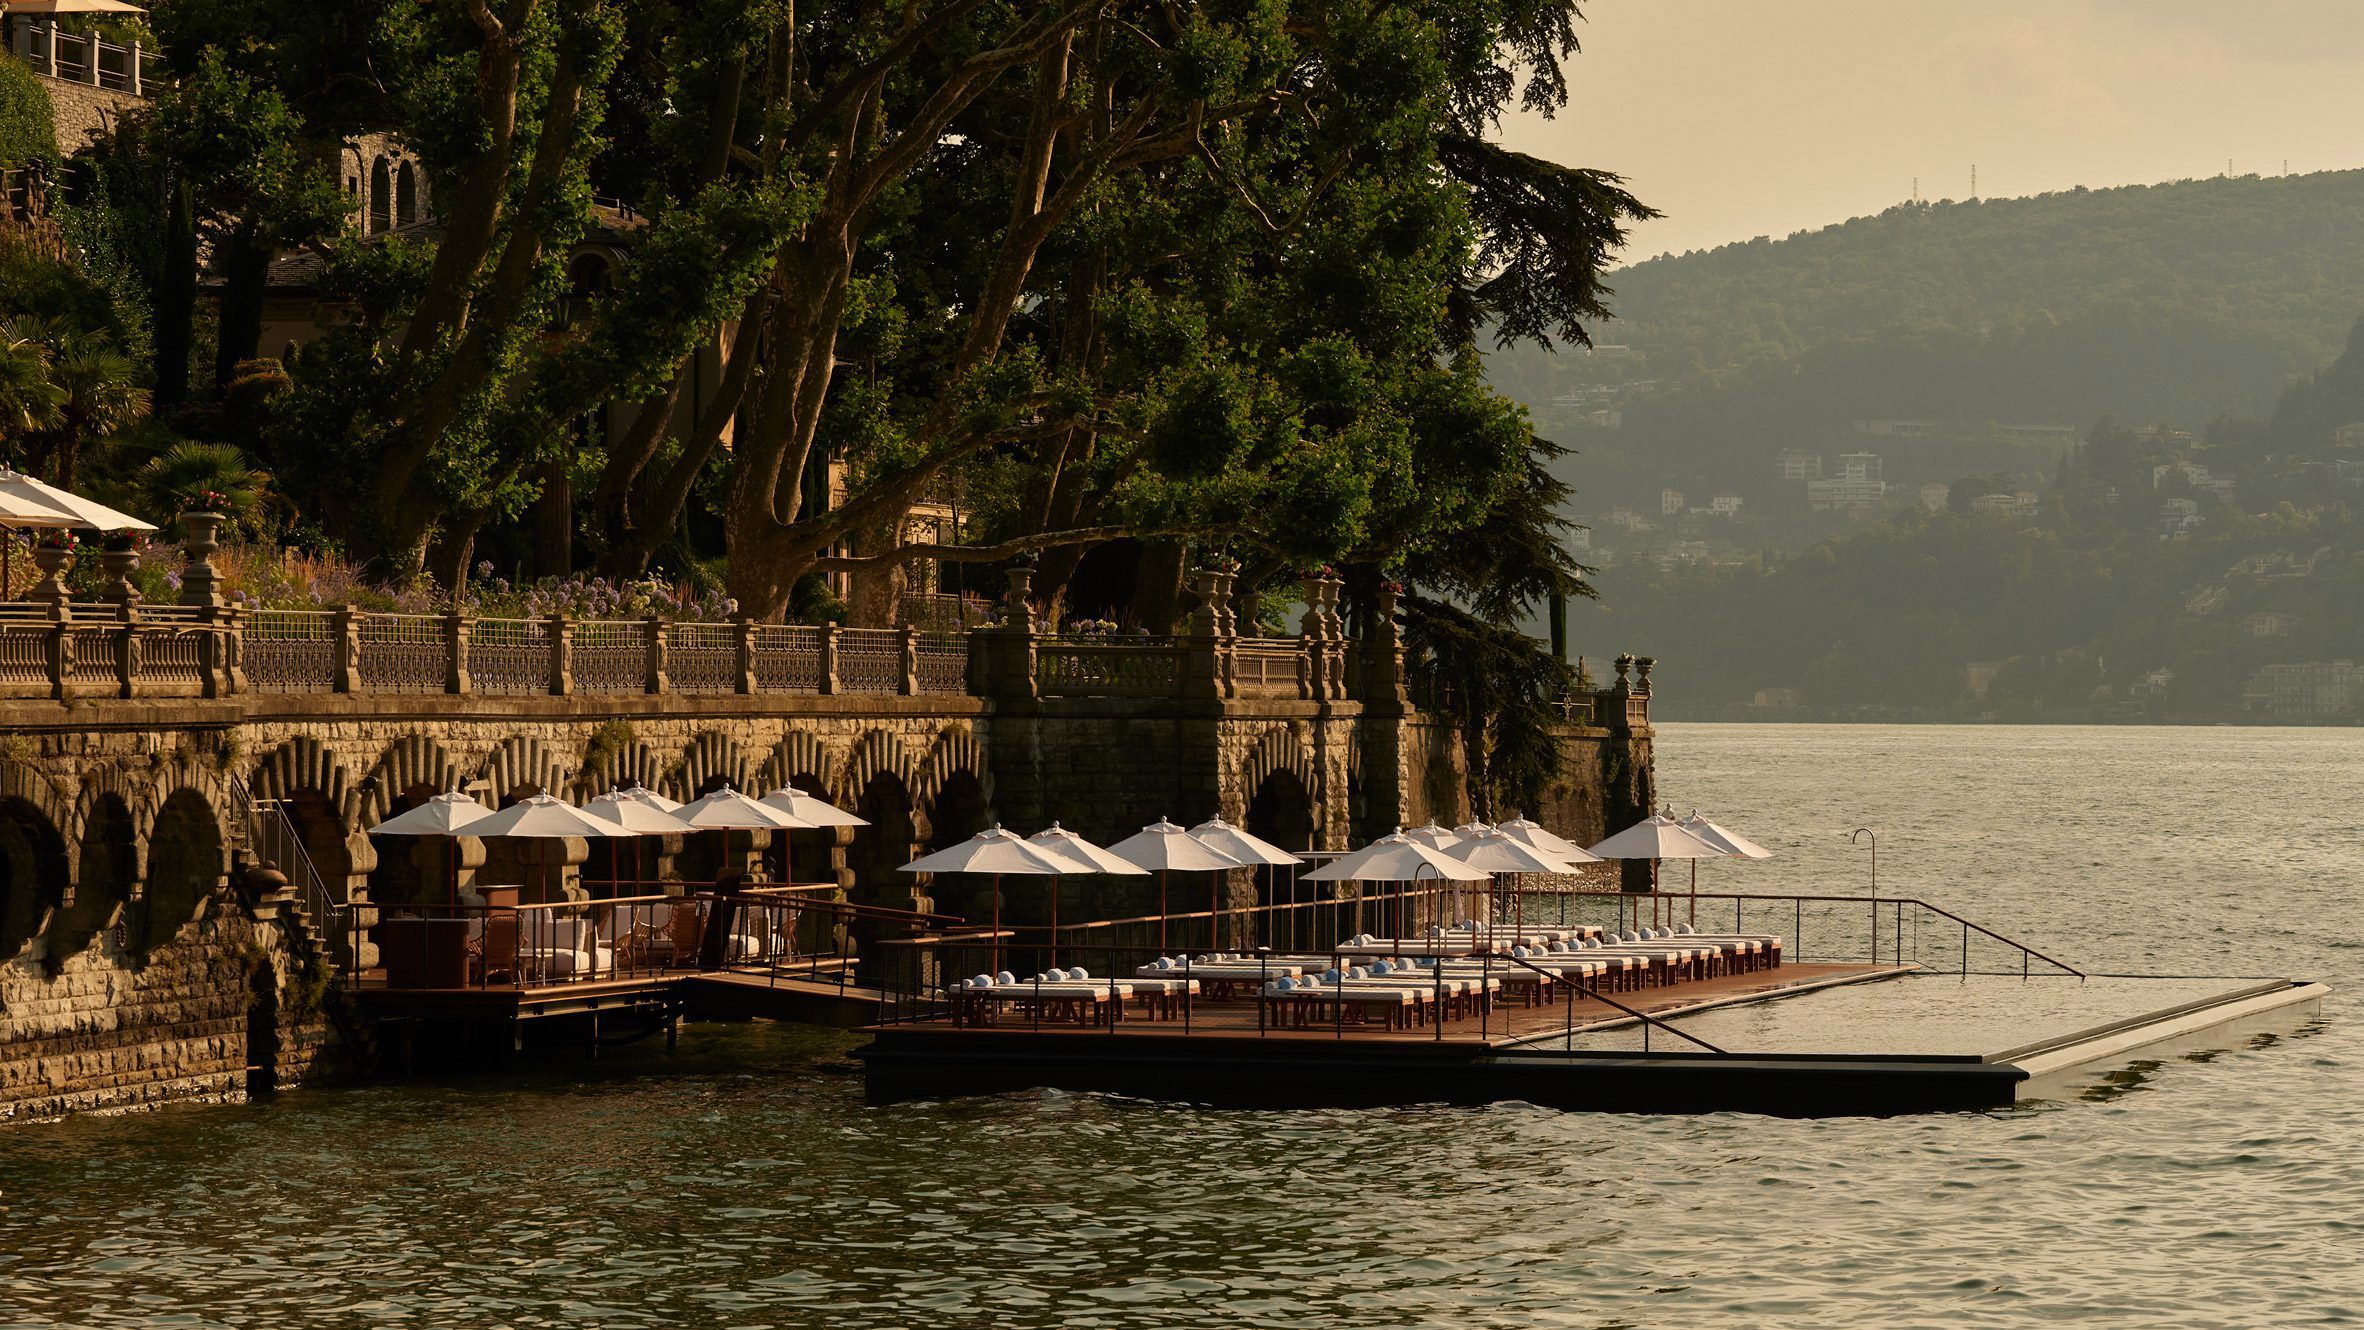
x=188, y=865
x=321, y=798
x=107, y=873
x=33, y=872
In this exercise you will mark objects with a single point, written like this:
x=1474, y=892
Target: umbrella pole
x=996, y=955
x=1161, y=910
x=1695, y=892
x=1215, y=910
x=1055, y=881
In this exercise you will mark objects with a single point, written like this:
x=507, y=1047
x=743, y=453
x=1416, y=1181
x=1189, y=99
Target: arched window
x=381, y=197
x=406, y=195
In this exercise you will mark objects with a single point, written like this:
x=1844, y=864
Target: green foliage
x=216, y=477
x=1498, y=690
x=28, y=130
x=2078, y=608
x=2175, y=303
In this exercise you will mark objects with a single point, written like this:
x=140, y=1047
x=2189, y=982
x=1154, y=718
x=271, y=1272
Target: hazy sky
x=1740, y=118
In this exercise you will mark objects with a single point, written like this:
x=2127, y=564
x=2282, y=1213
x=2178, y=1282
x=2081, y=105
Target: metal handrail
x=1593, y=991
x=1875, y=901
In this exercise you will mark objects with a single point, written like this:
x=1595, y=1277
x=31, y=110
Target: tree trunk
x=246, y=267
x=1157, y=588
x=554, y=522
x=875, y=592
x=176, y=299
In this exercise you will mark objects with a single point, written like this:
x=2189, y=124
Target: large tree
x=1212, y=271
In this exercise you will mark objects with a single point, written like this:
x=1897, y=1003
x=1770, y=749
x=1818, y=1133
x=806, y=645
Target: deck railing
x=85, y=57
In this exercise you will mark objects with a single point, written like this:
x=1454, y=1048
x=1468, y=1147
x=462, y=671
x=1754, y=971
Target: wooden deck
x=648, y=988
x=1509, y=1024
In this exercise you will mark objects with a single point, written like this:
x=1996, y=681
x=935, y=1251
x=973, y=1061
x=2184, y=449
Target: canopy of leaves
x=27, y=131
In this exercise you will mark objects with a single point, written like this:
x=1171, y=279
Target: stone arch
x=19, y=781
x=615, y=768
x=713, y=759
x=1279, y=749
x=955, y=752
x=107, y=872
x=800, y=759
x=521, y=767
x=800, y=754
x=33, y=871
x=188, y=865
x=381, y=196
x=879, y=752
x=897, y=829
x=318, y=792
x=406, y=194
x=412, y=764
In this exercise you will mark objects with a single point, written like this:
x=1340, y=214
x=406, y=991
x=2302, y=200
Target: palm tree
x=181, y=477
x=102, y=397
x=30, y=400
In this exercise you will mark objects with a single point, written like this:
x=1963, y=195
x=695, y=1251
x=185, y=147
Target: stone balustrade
x=54, y=647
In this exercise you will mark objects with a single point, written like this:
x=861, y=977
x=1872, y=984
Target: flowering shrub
x=1092, y=627
x=258, y=577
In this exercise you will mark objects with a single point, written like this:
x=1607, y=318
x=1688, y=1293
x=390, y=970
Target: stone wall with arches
x=128, y=964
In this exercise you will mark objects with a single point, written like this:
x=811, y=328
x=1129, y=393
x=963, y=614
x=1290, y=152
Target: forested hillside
x=2165, y=575
x=2174, y=303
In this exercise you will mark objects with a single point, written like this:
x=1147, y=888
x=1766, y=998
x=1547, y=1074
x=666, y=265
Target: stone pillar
x=743, y=638
x=127, y=648
x=119, y=563
x=456, y=679
x=90, y=58
x=1202, y=656
x=344, y=628
x=1013, y=644
x=54, y=561
x=828, y=671
x=131, y=69
x=201, y=535
x=562, y=655
x=59, y=652
x=1383, y=654
x=908, y=640
x=660, y=650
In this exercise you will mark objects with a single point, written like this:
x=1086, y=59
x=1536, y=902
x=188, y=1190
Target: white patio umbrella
x=542, y=817
x=810, y=809
x=644, y=795
x=1081, y=856
x=448, y=816
x=1162, y=847
x=1501, y=856
x=1557, y=846
x=26, y=502
x=1433, y=836
x=1732, y=843
x=1655, y=838
x=726, y=810
x=20, y=492
x=1246, y=847
x=638, y=817
x=1396, y=858
x=992, y=854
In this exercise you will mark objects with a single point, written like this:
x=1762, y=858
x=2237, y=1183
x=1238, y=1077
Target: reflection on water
x=744, y=1182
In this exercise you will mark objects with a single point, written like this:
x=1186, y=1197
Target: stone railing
x=52, y=646
x=85, y=57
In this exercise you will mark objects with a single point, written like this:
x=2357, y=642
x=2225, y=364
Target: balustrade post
x=1383, y=653
x=127, y=649
x=201, y=535
x=1313, y=669
x=660, y=655
x=828, y=681
x=744, y=639
x=131, y=68
x=908, y=641
x=562, y=654
x=1012, y=646
x=344, y=634
x=456, y=679
x=60, y=653
x=1202, y=656
x=90, y=58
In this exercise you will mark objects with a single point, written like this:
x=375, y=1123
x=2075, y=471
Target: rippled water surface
x=745, y=1183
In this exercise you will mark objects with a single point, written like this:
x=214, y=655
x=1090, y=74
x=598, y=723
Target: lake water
x=745, y=1183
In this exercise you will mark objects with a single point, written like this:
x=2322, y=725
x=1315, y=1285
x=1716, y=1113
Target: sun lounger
x=1085, y=1001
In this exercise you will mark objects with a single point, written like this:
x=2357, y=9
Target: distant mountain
x=2162, y=575
x=2173, y=304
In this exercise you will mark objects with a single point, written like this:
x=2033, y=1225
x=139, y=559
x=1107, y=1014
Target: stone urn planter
x=201, y=535
x=54, y=561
